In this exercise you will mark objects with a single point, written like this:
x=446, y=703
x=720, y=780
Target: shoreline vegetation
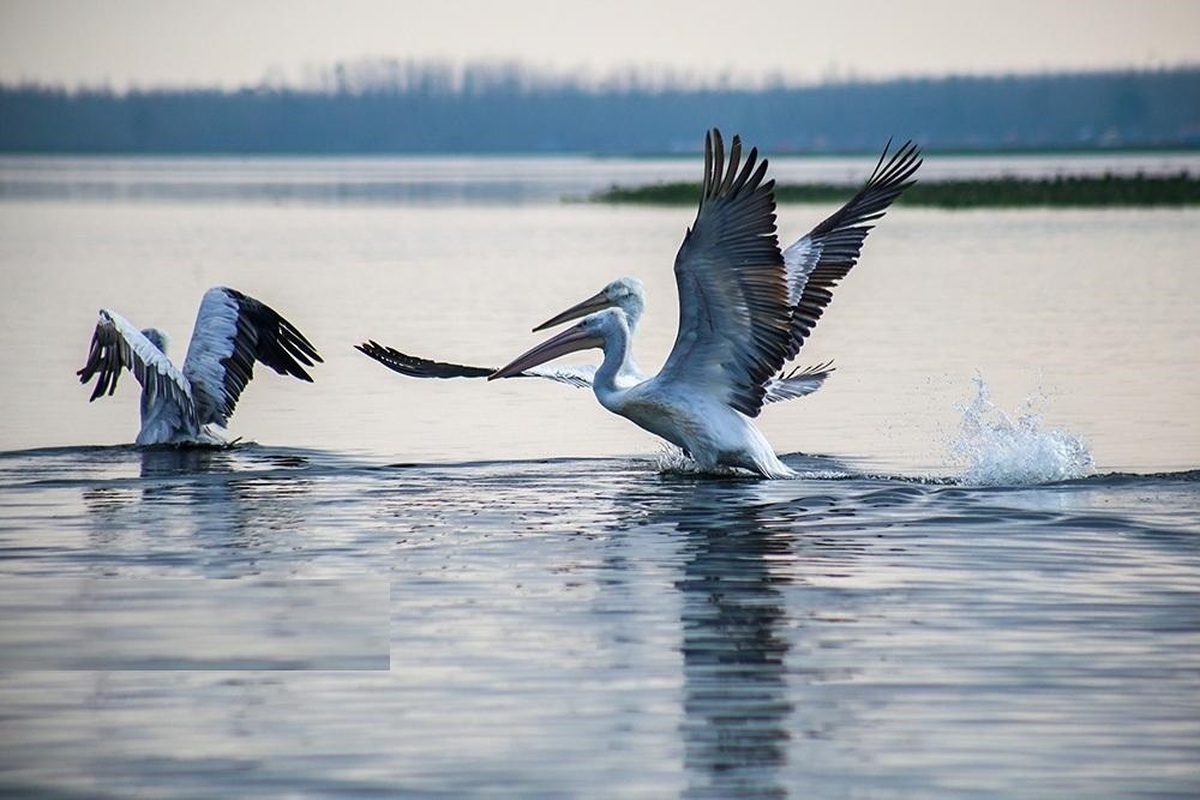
x=1063, y=191
x=392, y=106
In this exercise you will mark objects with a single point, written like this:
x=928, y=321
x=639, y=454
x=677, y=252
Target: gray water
x=984, y=584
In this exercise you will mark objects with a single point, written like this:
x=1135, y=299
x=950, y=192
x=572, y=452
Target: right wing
x=822, y=257
x=118, y=345
x=417, y=367
x=232, y=332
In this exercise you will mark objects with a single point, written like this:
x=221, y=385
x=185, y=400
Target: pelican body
x=746, y=308
x=709, y=431
x=186, y=406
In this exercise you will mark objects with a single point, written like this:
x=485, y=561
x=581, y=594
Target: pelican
x=626, y=294
x=183, y=406
x=745, y=308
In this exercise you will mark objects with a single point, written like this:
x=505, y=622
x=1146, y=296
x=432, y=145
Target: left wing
x=232, y=331
x=116, y=345
x=734, y=314
x=417, y=367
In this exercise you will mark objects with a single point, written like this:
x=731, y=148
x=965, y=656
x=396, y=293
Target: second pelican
x=744, y=311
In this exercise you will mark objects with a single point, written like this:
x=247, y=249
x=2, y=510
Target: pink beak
x=596, y=302
x=570, y=340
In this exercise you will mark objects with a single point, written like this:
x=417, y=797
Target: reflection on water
x=587, y=628
x=752, y=668
x=735, y=646
x=244, y=501
x=183, y=567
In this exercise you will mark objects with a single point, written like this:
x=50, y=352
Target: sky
x=235, y=43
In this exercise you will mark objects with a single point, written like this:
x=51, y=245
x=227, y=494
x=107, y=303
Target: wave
x=993, y=451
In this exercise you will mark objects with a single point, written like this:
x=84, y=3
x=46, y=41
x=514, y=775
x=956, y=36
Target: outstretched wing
x=797, y=383
x=821, y=258
x=734, y=314
x=233, y=331
x=118, y=345
x=417, y=367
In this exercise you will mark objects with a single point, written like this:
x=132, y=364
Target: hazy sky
x=238, y=42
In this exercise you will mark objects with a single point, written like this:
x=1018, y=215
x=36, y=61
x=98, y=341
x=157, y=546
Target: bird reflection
x=170, y=461
x=736, y=703
x=235, y=504
x=752, y=555
x=735, y=645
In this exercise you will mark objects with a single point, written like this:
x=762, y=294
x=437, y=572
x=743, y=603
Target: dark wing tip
x=416, y=366
x=279, y=344
x=843, y=233
x=900, y=168
x=824, y=368
x=104, y=360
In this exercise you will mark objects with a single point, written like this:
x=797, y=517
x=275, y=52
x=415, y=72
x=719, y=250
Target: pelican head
x=627, y=294
x=591, y=331
x=157, y=338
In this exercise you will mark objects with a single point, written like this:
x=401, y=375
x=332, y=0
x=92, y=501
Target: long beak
x=570, y=340
x=596, y=302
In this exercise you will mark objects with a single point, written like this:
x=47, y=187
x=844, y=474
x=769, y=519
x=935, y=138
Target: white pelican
x=745, y=308
x=181, y=406
x=626, y=294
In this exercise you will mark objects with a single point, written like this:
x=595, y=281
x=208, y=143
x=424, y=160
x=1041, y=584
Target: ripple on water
x=561, y=622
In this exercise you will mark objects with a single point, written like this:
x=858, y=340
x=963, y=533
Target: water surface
x=984, y=583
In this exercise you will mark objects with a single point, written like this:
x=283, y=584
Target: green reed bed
x=1181, y=189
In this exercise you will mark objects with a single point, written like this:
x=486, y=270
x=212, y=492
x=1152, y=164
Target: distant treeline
x=423, y=109
x=1061, y=191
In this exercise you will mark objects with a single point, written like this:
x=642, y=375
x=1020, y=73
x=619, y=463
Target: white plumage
x=185, y=406
x=746, y=308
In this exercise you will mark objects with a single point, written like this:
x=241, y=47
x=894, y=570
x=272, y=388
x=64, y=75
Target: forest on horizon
x=394, y=107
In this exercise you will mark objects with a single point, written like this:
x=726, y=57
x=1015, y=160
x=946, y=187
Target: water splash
x=670, y=460
x=995, y=450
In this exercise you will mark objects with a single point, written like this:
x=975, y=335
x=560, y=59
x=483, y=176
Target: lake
x=984, y=583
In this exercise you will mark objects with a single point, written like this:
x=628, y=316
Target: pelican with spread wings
x=625, y=294
x=746, y=307
x=184, y=406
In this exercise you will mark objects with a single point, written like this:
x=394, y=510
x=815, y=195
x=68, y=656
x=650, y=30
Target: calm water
x=986, y=583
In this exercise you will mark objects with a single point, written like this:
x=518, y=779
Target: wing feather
x=417, y=367
x=232, y=331
x=578, y=375
x=821, y=258
x=735, y=318
x=117, y=345
x=798, y=382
